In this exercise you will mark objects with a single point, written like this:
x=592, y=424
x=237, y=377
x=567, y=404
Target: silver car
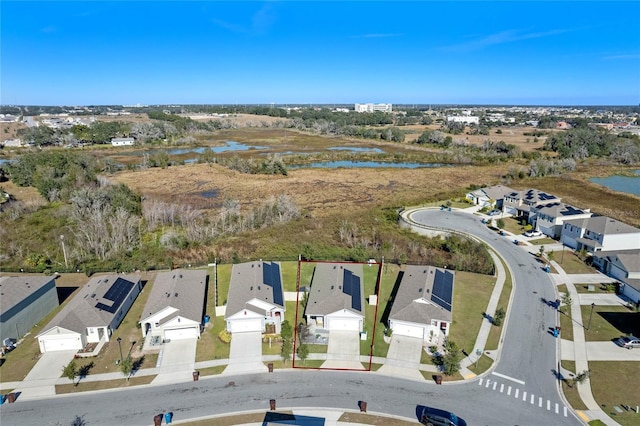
x=628, y=342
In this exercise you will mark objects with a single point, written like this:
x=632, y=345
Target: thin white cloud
x=378, y=35
x=508, y=36
x=261, y=22
x=622, y=57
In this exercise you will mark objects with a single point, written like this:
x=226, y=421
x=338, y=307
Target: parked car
x=532, y=233
x=436, y=417
x=495, y=212
x=628, y=342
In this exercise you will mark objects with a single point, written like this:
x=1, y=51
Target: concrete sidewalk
x=579, y=347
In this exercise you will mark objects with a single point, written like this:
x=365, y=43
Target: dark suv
x=436, y=417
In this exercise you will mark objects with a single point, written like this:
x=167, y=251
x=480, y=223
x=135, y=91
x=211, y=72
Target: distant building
x=373, y=107
x=122, y=141
x=471, y=119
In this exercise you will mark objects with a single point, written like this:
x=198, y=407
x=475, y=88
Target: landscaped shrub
x=224, y=336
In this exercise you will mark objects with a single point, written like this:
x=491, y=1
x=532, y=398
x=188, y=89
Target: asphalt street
x=522, y=390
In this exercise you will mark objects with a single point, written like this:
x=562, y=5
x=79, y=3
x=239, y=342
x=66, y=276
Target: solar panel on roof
x=443, y=289
x=116, y=293
x=351, y=286
x=271, y=277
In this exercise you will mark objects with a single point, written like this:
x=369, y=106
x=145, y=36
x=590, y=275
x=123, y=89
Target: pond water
x=356, y=149
x=348, y=164
x=628, y=184
x=229, y=147
x=4, y=161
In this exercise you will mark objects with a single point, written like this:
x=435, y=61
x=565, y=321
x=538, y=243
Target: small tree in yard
x=451, y=359
x=286, y=331
x=285, y=352
x=567, y=301
x=498, y=317
x=541, y=252
x=70, y=371
x=126, y=366
x=551, y=256
x=500, y=223
x=303, y=352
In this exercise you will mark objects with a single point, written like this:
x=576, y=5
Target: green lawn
x=210, y=346
x=543, y=241
x=210, y=371
x=571, y=392
x=614, y=384
x=370, y=320
x=104, y=384
x=483, y=365
x=597, y=288
x=566, y=322
x=572, y=264
x=609, y=322
x=494, y=333
x=470, y=298
x=289, y=275
x=224, y=279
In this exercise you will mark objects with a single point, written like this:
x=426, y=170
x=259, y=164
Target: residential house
x=93, y=313
x=176, y=305
x=623, y=265
x=423, y=305
x=256, y=298
x=599, y=233
x=336, y=300
x=122, y=141
x=519, y=203
x=24, y=301
x=491, y=196
x=549, y=217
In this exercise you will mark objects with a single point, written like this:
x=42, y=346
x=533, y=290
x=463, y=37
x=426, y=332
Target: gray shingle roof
x=497, y=192
x=14, y=289
x=557, y=209
x=248, y=282
x=327, y=296
x=604, y=225
x=81, y=311
x=414, y=301
x=182, y=289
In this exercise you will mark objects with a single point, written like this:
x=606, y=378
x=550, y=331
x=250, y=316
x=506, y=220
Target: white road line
x=565, y=411
x=532, y=398
x=508, y=378
x=480, y=382
x=557, y=408
x=548, y=405
x=501, y=387
x=495, y=384
x=517, y=392
x=524, y=395
x=540, y=401
x=487, y=385
x=509, y=391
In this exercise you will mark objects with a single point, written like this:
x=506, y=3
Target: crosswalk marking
x=516, y=393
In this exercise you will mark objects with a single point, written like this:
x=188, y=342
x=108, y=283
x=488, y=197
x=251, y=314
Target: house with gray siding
x=24, y=301
x=599, y=233
x=548, y=218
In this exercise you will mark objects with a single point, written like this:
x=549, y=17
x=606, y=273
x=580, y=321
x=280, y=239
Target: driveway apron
x=343, y=350
x=43, y=376
x=403, y=357
x=176, y=361
x=245, y=354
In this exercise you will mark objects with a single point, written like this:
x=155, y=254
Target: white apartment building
x=373, y=107
x=471, y=119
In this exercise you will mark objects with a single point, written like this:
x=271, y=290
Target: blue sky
x=162, y=52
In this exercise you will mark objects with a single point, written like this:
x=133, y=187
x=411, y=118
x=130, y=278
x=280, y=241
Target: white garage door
x=347, y=324
x=251, y=324
x=51, y=345
x=408, y=330
x=181, y=333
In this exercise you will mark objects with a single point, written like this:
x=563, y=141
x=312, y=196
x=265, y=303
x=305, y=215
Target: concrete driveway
x=403, y=357
x=245, y=354
x=41, y=380
x=609, y=351
x=344, y=350
x=176, y=361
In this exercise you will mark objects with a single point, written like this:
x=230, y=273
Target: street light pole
x=591, y=315
x=120, y=346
